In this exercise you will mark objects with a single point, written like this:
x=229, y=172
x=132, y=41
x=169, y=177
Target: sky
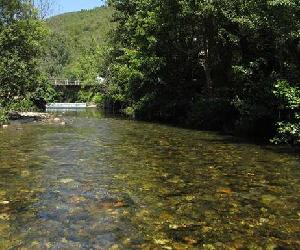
x=62, y=6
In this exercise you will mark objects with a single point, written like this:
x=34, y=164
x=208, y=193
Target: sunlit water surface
x=107, y=183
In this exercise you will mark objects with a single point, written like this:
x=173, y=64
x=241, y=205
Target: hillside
x=75, y=35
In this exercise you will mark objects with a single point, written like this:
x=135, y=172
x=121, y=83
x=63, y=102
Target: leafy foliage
x=21, y=44
x=289, y=113
x=76, y=43
x=211, y=64
x=76, y=50
x=3, y=116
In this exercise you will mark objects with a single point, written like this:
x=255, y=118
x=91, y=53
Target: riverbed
x=103, y=182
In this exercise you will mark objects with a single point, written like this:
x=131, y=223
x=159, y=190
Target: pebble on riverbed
x=65, y=181
x=4, y=202
x=4, y=126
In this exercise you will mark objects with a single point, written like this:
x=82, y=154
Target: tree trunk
x=205, y=56
x=209, y=81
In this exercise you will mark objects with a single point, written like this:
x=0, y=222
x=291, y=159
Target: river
x=108, y=183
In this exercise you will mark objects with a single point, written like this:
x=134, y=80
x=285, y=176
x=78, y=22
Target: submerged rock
x=190, y=240
x=161, y=241
x=25, y=173
x=4, y=216
x=226, y=191
x=268, y=199
x=4, y=202
x=65, y=181
x=77, y=199
x=109, y=204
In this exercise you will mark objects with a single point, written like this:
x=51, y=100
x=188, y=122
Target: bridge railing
x=66, y=82
x=66, y=105
x=100, y=83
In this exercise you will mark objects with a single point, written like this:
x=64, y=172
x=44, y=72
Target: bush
x=84, y=96
x=3, y=116
x=129, y=111
x=212, y=114
x=255, y=118
x=98, y=99
x=21, y=106
x=288, y=128
x=287, y=133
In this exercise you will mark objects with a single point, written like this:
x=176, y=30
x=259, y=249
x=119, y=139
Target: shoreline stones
x=25, y=117
x=28, y=117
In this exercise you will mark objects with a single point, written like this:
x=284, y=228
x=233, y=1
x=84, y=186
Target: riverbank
x=37, y=116
x=27, y=117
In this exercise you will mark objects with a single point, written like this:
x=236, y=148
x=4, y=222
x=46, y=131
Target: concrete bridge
x=67, y=88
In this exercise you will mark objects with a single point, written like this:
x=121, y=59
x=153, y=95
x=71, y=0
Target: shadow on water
x=230, y=138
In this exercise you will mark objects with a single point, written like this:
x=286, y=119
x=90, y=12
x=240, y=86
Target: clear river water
x=108, y=183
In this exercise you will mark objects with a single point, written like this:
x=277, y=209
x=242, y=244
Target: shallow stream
x=108, y=183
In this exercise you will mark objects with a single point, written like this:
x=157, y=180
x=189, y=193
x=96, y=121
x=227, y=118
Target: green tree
x=288, y=127
x=21, y=43
x=194, y=62
x=56, y=56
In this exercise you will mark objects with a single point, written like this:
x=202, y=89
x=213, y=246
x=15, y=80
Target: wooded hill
x=75, y=36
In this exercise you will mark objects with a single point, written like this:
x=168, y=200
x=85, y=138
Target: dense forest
x=225, y=65
x=232, y=66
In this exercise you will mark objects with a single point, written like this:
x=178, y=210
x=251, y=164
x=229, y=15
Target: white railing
x=66, y=82
x=66, y=105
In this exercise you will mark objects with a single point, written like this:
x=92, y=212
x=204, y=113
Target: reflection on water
x=62, y=110
x=105, y=183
